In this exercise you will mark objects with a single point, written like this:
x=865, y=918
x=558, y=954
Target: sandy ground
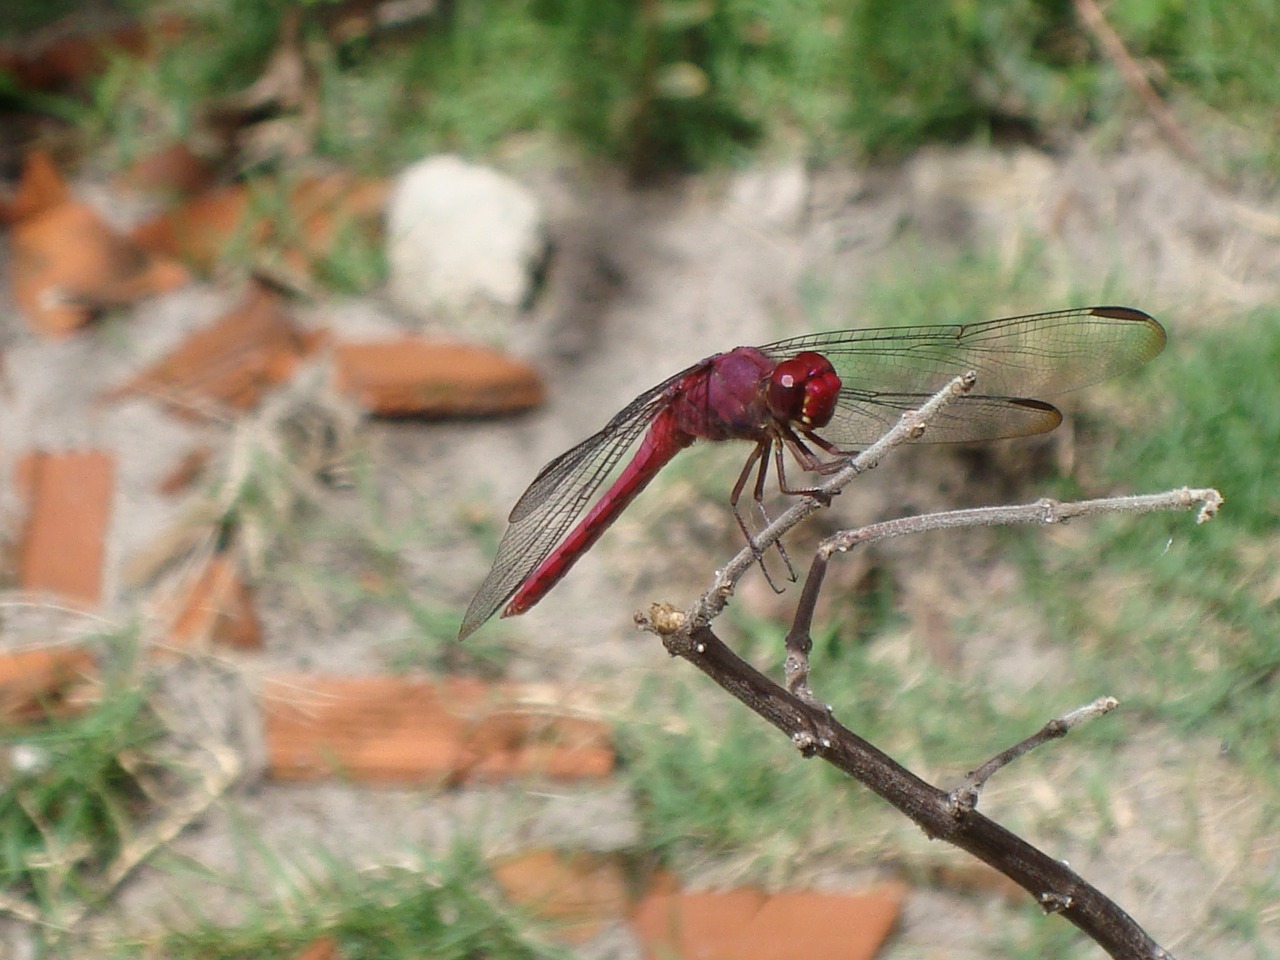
x=643, y=284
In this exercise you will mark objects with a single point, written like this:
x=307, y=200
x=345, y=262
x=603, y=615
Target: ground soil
x=643, y=283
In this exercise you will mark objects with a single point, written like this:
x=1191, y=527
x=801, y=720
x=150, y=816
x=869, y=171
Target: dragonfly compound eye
x=804, y=388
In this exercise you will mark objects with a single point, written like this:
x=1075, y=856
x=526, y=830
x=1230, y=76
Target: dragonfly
x=818, y=397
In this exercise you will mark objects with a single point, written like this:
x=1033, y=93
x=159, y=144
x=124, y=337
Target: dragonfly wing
x=863, y=418
x=1043, y=354
x=560, y=493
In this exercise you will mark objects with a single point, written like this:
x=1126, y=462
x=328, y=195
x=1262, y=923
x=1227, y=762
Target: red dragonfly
x=830, y=391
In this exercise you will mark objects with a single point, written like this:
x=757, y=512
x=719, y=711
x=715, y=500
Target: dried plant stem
x=965, y=796
x=1043, y=511
x=1096, y=23
x=812, y=727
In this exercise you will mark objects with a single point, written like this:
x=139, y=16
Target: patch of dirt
x=643, y=284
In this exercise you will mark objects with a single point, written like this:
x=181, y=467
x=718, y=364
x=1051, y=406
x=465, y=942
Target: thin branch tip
x=1211, y=501
x=964, y=798
x=1090, y=711
x=661, y=619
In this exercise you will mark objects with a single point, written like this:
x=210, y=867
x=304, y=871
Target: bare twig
x=965, y=796
x=1046, y=511
x=812, y=727
x=1096, y=23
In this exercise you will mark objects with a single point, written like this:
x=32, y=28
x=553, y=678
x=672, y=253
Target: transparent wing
x=558, y=496
x=861, y=419
x=888, y=370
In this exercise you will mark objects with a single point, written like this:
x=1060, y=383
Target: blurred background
x=298, y=297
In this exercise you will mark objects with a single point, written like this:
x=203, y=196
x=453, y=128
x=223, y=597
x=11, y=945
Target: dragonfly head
x=804, y=389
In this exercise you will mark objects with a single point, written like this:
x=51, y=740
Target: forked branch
x=1043, y=511
x=965, y=796
x=812, y=727
x=815, y=731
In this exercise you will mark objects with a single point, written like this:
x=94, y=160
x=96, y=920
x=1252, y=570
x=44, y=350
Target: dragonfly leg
x=741, y=484
x=808, y=460
x=759, y=455
x=761, y=477
x=840, y=456
x=811, y=461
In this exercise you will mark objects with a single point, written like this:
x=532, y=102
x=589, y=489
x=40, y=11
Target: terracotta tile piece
x=747, y=924
x=41, y=188
x=66, y=264
x=175, y=169
x=229, y=364
x=200, y=230
x=414, y=376
x=34, y=683
x=321, y=948
x=579, y=892
x=185, y=472
x=216, y=607
x=299, y=227
x=69, y=509
x=68, y=54
x=399, y=730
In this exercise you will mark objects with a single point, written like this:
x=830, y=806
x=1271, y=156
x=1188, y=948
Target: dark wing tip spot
x=1052, y=418
x=1154, y=335
x=1122, y=313
x=1029, y=404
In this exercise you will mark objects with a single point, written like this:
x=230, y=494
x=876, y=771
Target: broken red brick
x=185, y=471
x=299, y=230
x=175, y=170
x=397, y=730
x=200, y=230
x=40, y=189
x=216, y=608
x=746, y=924
x=321, y=948
x=579, y=893
x=51, y=680
x=414, y=376
x=70, y=53
x=66, y=265
x=69, y=508
x=229, y=364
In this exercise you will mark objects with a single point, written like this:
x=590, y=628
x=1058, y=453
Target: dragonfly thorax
x=726, y=398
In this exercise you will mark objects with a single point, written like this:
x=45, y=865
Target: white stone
x=462, y=238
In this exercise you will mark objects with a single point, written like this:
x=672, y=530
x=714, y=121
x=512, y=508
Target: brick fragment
x=404, y=730
x=69, y=510
x=416, y=376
